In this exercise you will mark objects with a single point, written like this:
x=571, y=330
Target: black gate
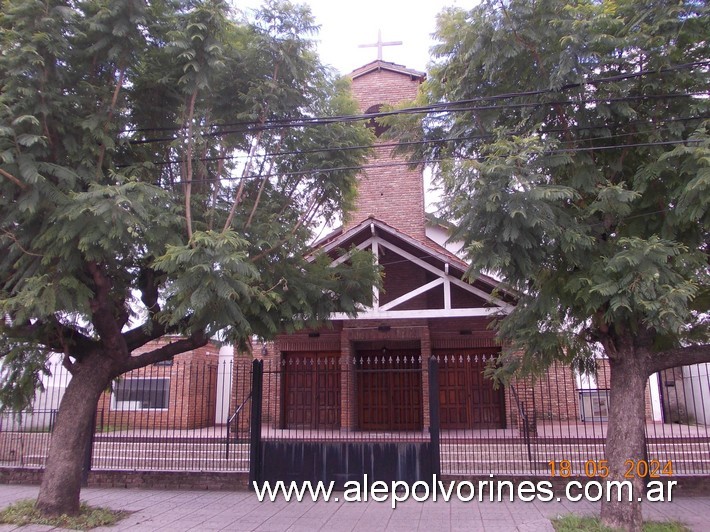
x=349, y=450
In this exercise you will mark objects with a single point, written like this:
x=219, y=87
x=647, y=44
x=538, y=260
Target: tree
x=162, y=174
x=573, y=151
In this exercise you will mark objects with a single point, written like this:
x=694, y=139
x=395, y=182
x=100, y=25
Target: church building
x=423, y=309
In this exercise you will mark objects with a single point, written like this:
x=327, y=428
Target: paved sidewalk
x=241, y=511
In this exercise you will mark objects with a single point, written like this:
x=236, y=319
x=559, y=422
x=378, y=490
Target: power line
x=434, y=141
x=426, y=161
x=277, y=123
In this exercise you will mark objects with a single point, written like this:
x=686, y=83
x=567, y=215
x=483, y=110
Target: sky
x=347, y=24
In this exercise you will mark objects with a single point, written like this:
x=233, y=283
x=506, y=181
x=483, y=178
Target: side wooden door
x=467, y=399
x=311, y=390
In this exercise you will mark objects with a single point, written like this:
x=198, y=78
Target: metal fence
x=561, y=418
x=197, y=416
x=171, y=416
x=323, y=397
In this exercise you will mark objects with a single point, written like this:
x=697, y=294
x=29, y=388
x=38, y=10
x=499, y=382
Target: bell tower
x=388, y=189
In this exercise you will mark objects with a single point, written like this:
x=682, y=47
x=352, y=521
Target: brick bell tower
x=388, y=189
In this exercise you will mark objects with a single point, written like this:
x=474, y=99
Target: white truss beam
x=436, y=271
x=414, y=293
x=370, y=314
x=388, y=311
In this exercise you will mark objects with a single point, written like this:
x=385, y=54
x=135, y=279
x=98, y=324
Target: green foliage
x=573, y=523
x=579, y=169
x=151, y=181
x=23, y=366
x=23, y=513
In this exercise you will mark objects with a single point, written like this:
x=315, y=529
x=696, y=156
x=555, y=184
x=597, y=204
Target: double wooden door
x=389, y=390
x=311, y=390
x=467, y=399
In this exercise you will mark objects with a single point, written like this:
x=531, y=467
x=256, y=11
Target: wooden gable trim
x=388, y=310
x=447, y=278
x=377, y=65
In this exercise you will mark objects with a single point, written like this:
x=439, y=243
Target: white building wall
x=696, y=383
x=224, y=383
x=654, y=384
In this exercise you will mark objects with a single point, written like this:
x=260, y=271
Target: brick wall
x=241, y=388
x=556, y=394
x=552, y=397
x=349, y=336
x=391, y=191
x=192, y=381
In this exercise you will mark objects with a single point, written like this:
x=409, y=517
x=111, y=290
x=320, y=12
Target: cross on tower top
x=379, y=44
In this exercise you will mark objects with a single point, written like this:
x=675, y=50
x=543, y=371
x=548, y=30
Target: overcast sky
x=347, y=24
x=344, y=25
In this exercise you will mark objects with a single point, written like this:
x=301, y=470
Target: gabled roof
x=445, y=268
x=378, y=64
x=340, y=239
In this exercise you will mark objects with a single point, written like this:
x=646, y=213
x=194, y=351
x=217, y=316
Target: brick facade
x=389, y=190
x=392, y=194
x=192, y=392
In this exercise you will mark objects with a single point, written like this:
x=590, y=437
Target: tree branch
x=17, y=243
x=252, y=152
x=256, y=142
x=263, y=181
x=306, y=218
x=52, y=335
x=682, y=356
x=195, y=341
x=188, y=172
x=143, y=334
x=13, y=179
x=68, y=364
x=217, y=186
x=103, y=312
x=148, y=286
x=111, y=109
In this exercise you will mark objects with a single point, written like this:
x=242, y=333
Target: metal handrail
x=232, y=418
x=523, y=415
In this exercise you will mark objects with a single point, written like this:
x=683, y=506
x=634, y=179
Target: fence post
x=89, y=453
x=434, y=426
x=257, y=378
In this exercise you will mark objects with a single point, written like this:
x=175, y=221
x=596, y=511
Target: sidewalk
x=241, y=511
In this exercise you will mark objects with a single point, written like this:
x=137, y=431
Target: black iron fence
x=199, y=415
x=338, y=419
x=169, y=416
x=377, y=396
x=561, y=418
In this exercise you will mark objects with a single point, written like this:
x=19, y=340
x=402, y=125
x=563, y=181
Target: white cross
x=379, y=44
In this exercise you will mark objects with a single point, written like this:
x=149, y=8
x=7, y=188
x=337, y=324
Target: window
x=373, y=124
x=594, y=404
x=141, y=394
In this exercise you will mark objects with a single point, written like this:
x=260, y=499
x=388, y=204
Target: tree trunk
x=626, y=439
x=61, y=481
